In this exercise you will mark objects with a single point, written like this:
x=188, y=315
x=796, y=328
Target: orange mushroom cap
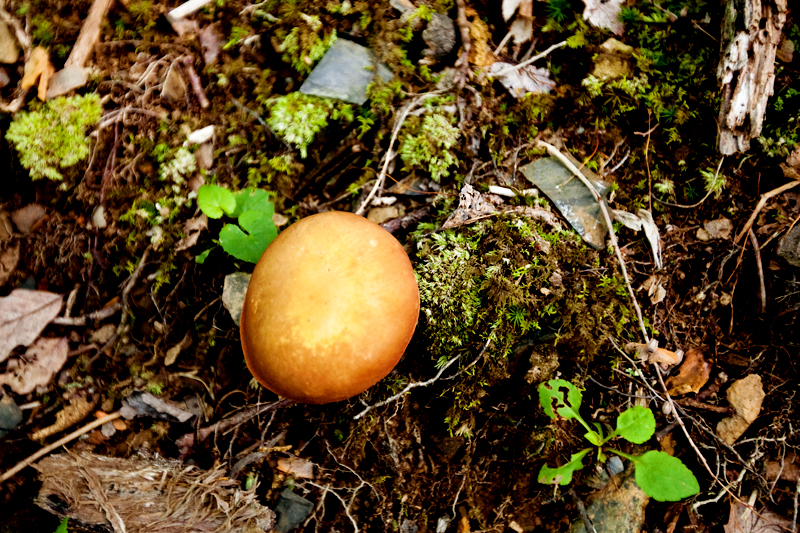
x=331, y=306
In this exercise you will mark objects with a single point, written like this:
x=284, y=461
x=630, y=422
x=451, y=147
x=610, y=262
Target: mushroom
x=331, y=306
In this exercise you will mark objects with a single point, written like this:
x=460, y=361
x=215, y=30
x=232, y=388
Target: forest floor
x=446, y=153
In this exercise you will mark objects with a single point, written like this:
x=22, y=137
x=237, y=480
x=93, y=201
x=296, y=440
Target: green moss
x=53, y=135
x=303, y=46
x=514, y=283
x=297, y=117
x=430, y=146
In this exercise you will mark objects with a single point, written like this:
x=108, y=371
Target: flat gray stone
x=233, y=292
x=10, y=415
x=570, y=196
x=344, y=73
x=67, y=79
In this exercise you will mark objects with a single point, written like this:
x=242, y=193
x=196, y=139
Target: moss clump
x=297, y=117
x=302, y=47
x=430, y=147
x=54, y=134
x=512, y=282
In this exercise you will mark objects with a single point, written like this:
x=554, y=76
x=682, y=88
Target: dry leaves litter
x=43, y=359
x=604, y=14
x=23, y=316
x=743, y=520
x=522, y=81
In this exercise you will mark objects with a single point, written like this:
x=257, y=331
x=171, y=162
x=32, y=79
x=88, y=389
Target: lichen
x=53, y=135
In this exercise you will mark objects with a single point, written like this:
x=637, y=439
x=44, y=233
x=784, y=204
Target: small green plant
x=62, y=527
x=53, y=134
x=660, y=475
x=253, y=211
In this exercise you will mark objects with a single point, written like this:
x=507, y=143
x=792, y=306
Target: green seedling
x=660, y=475
x=255, y=230
x=62, y=528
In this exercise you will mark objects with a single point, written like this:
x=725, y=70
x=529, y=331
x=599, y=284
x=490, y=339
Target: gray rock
x=344, y=73
x=790, y=247
x=233, y=292
x=10, y=415
x=291, y=510
x=570, y=196
x=439, y=36
x=66, y=79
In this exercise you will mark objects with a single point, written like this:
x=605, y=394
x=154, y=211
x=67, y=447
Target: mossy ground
x=544, y=301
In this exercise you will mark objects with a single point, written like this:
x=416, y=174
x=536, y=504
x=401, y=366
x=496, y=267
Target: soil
x=464, y=452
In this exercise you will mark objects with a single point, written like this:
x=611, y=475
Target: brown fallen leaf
x=23, y=316
x=692, y=374
x=787, y=469
x=42, y=360
x=38, y=68
x=296, y=466
x=192, y=230
x=745, y=396
x=744, y=520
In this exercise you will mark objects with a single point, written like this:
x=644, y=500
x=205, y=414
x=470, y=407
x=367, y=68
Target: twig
x=552, y=150
x=794, y=515
x=466, y=41
x=537, y=57
x=100, y=314
x=407, y=388
x=89, y=35
x=762, y=287
x=389, y=155
x=60, y=442
x=764, y=197
x=194, y=79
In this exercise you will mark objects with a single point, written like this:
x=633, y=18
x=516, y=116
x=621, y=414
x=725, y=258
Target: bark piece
x=147, y=495
x=745, y=396
x=747, y=69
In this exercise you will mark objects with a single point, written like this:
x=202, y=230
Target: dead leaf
x=23, y=316
x=661, y=356
x=9, y=258
x=604, y=14
x=692, y=375
x=26, y=218
x=744, y=520
x=43, y=359
x=745, y=396
x=521, y=30
x=192, y=230
x=509, y=8
x=480, y=53
x=719, y=229
x=472, y=205
x=655, y=289
x=522, y=81
x=643, y=219
x=297, y=467
x=175, y=351
x=38, y=68
x=211, y=41
x=788, y=469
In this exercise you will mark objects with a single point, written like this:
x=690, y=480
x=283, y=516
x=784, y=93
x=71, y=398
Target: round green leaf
x=636, y=425
x=261, y=231
x=664, y=477
x=215, y=201
x=252, y=200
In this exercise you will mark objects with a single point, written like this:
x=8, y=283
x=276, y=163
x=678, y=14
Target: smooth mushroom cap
x=331, y=306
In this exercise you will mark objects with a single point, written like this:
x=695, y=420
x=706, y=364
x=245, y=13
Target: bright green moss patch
x=53, y=135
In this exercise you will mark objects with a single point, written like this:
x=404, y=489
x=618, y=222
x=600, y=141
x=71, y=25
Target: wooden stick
x=89, y=35
x=764, y=197
x=60, y=442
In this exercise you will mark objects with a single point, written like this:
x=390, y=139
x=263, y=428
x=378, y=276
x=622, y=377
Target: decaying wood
x=142, y=495
x=751, y=33
x=89, y=35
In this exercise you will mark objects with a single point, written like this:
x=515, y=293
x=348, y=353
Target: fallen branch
x=60, y=442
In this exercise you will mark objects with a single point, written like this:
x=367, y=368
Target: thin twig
x=537, y=57
x=100, y=314
x=552, y=150
x=762, y=287
x=703, y=199
x=407, y=388
x=60, y=442
x=761, y=203
x=389, y=155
